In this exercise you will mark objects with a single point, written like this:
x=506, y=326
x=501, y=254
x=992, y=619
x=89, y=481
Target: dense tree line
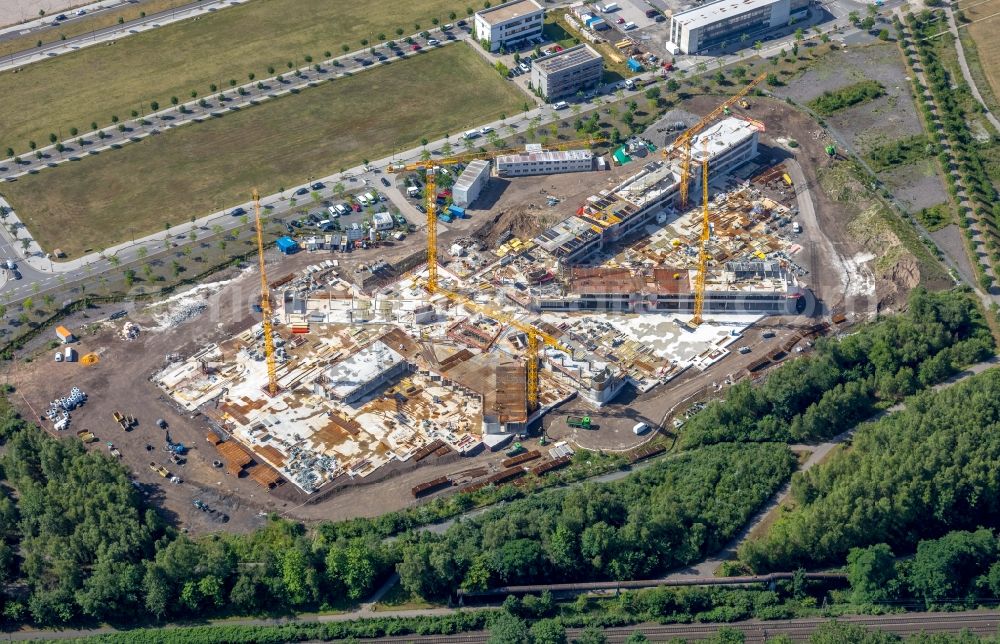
x=830, y=102
x=824, y=394
x=916, y=474
x=77, y=542
x=671, y=513
x=959, y=568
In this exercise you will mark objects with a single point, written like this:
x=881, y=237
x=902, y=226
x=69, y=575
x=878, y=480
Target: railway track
x=799, y=630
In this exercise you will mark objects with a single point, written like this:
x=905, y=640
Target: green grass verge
x=93, y=84
x=201, y=168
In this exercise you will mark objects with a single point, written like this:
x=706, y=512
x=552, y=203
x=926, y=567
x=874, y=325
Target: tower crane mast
x=265, y=302
x=682, y=144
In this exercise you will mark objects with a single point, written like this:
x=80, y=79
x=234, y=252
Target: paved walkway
x=964, y=65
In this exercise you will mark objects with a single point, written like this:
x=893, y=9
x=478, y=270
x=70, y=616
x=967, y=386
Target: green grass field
x=93, y=84
x=201, y=168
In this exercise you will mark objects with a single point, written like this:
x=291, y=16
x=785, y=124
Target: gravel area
x=917, y=185
x=873, y=122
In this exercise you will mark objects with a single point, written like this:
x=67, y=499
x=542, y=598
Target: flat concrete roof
x=722, y=136
x=571, y=57
x=509, y=11
x=715, y=11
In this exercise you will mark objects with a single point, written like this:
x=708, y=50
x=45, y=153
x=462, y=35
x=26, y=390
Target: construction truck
x=159, y=469
x=515, y=449
x=114, y=450
x=579, y=422
x=86, y=436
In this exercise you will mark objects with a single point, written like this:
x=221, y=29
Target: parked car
x=385, y=182
x=415, y=47
x=523, y=67
x=318, y=185
x=620, y=21
x=302, y=191
x=433, y=42
x=236, y=212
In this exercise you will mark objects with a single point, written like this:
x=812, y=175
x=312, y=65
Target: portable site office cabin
x=64, y=334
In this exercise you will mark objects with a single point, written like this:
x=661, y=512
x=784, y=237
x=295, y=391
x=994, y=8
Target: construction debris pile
x=130, y=331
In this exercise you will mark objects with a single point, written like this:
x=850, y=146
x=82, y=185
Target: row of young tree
x=672, y=513
x=822, y=395
x=915, y=474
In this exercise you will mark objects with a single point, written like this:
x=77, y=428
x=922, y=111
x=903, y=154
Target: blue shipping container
x=287, y=245
x=458, y=211
x=634, y=65
x=593, y=20
x=446, y=218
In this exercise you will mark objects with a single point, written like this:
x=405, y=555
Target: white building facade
x=566, y=72
x=726, y=21
x=536, y=161
x=471, y=182
x=509, y=23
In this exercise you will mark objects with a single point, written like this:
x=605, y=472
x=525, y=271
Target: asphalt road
x=48, y=31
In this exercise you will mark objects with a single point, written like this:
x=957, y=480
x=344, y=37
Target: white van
x=471, y=134
x=561, y=105
x=640, y=428
x=363, y=200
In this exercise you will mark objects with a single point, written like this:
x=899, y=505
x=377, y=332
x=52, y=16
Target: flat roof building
x=740, y=287
x=621, y=211
x=725, y=21
x=566, y=72
x=470, y=183
x=509, y=23
x=536, y=161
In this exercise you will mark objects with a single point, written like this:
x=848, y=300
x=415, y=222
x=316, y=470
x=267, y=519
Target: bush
x=845, y=97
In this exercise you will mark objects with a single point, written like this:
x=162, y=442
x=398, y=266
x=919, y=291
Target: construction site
x=465, y=354
x=335, y=395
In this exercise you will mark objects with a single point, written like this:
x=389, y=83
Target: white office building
x=509, y=23
x=566, y=72
x=470, y=183
x=536, y=161
x=726, y=21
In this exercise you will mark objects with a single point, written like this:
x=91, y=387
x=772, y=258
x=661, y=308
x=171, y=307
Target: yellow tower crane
x=699, y=284
x=682, y=144
x=430, y=192
x=534, y=335
x=265, y=301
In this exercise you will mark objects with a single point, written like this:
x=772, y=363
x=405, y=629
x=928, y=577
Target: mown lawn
x=201, y=168
x=102, y=81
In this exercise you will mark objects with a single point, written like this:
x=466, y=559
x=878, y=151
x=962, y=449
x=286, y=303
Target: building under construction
x=365, y=379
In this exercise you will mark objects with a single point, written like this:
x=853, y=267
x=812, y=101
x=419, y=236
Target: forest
x=961, y=569
x=672, y=513
x=842, y=383
x=78, y=543
x=916, y=474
